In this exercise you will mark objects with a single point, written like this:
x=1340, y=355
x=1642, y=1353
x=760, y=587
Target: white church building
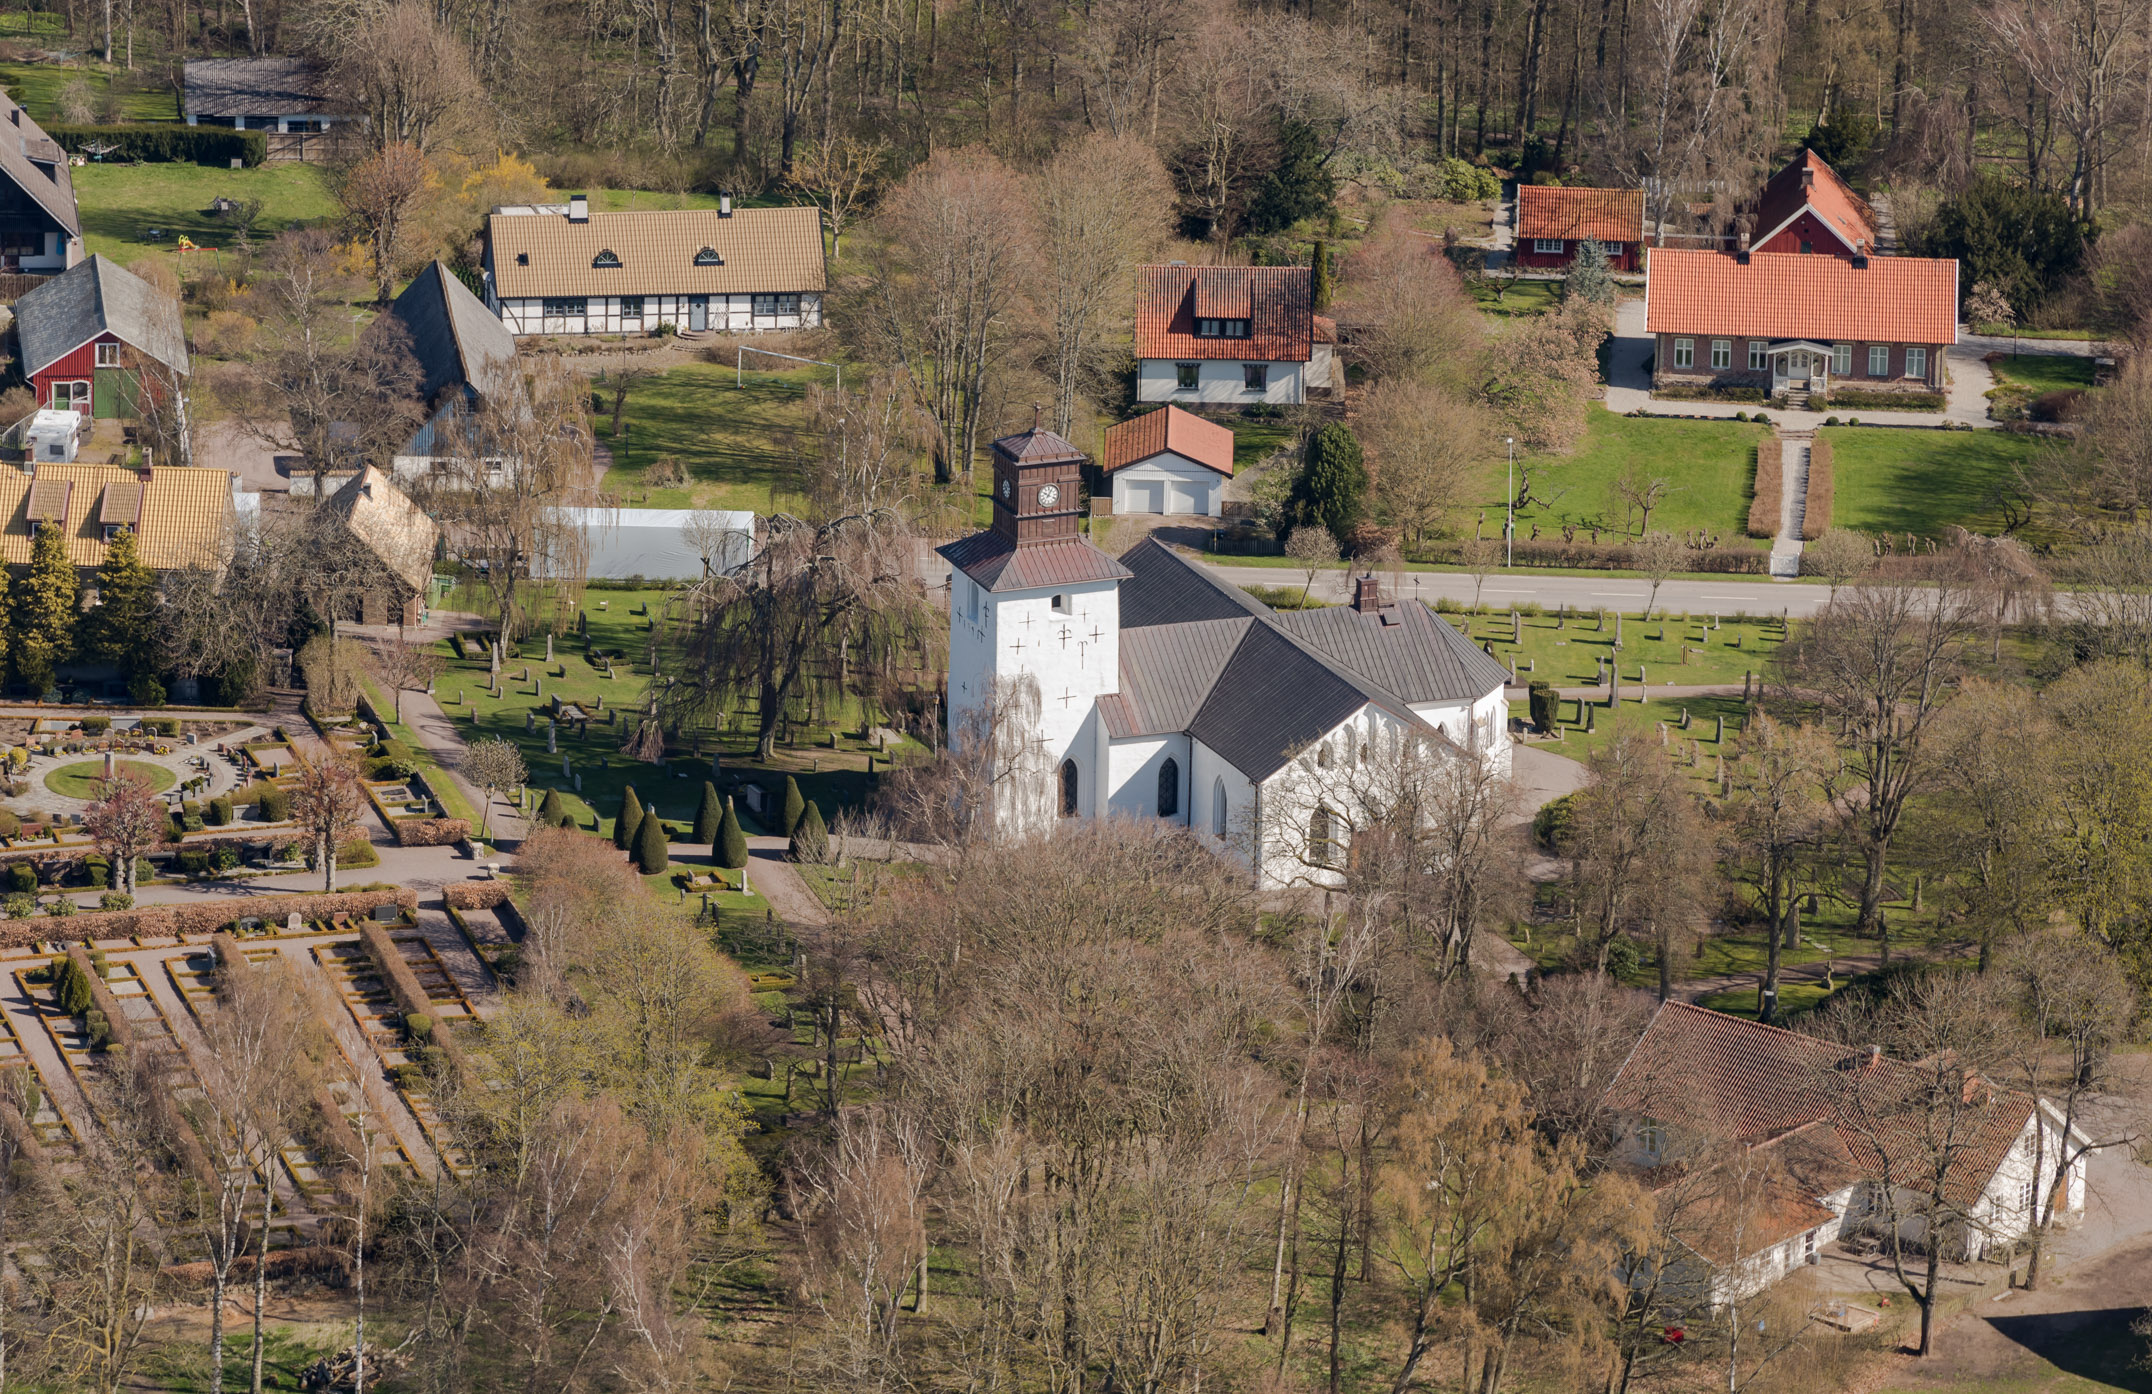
x=1145, y=687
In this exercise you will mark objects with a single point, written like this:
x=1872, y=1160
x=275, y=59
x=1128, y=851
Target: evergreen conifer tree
x=1331, y=491
x=631, y=818
x=551, y=813
x=795, y=806
x=651, y=853
x=44, y=610
x=1320, y=286
x=120, y=629
x=1590, y=281
x=810, y=840
x=708, y=814
x=730, y=848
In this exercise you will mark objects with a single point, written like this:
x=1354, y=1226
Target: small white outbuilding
x=1169, y=462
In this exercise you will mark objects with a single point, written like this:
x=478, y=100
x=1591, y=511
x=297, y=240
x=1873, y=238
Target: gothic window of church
x=1169, y=788
x=1218, y=807
x=1322, y=837
x=972, y=607
x=1068, y=789
x=1322, y=756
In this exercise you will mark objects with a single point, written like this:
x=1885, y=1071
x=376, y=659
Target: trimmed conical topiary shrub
x=730, y=846
x=630, y=819
x=550, y=811
x=795, y=807
x=810, y=840
x=651, y=853
x=708, y=814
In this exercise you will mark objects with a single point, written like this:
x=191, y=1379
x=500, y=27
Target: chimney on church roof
x=1367, y=594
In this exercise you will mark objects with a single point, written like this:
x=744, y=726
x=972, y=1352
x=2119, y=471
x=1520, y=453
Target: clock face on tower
x=1049, y=495
x=1004, y=488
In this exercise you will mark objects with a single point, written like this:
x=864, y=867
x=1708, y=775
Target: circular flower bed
x=80, y=781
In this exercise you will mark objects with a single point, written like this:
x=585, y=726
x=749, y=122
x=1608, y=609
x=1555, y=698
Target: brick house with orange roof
x=1231, y=335
x=1808, y=209
x=1553, y=221
x=1798, y=325
x=1778, y=1143
x=1167, y=461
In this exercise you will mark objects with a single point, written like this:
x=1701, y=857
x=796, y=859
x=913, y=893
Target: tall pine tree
x=120, y=629
x=44, y=611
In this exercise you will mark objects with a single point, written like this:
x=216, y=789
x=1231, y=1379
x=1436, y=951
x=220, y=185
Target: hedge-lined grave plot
x=373, y=1008
x=52, y=1129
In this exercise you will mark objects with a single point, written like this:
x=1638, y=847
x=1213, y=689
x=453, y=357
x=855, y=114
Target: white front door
x=1790, y=367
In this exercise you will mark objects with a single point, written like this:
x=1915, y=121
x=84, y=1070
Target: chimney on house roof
x=1741, y=245
x=578, y=208
x=1872, y=1057
x=1367, y=594
x=1808, y=177
x=724, y=205
x=1860, y=254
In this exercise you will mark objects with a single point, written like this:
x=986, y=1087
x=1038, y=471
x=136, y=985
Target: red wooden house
x=96, y=336
x=1551, y=221
x=1807, y=208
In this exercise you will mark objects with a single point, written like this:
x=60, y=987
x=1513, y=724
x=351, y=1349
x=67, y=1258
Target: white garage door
x=1187, y=498
x=1143, y=496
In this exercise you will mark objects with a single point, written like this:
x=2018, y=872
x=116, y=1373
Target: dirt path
x=775, y=880
x=1839, y=967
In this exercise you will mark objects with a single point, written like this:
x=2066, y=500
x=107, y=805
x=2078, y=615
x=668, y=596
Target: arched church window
x=1322, y=837
x=1069, y=789
x=1218, y=807
x=1322, y=756
x=1169, y=788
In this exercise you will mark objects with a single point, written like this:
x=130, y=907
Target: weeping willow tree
x=828, y=609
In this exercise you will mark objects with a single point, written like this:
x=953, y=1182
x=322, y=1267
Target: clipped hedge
x=1821, y=491
x=475, y=895
x=169, y=920
x=429, y=832
x=1770, y=487
x=163, y=144
x=405, y=991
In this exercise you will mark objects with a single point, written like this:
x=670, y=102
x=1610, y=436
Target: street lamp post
x=1509, y=507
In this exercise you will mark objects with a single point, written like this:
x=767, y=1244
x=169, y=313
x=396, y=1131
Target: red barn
x=1551, y=221
x=96, y=336
x=1807, y=208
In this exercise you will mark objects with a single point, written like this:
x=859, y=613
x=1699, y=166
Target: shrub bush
x=220, y=812
x=21, y=877
x=62, y=907
x=1706, y=392
x=167, y=144
x=1883, y=401
x=163, y=725
x=10, y=825
x=193, y=863
x=225, y=859
x=276, y=803
x=96, y=725
x=144, y=690
x=1770, y=486
x=810, y=840
x=97, y=871
x=1816, y=519
x=115, y=900
x=2059, y=405
x=418, y=1026
x=1543, y=702
x=1551, y=824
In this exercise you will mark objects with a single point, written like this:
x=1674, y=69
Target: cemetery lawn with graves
x=1567, y=651
x=833, y=777
x=725, y=437
x=1899, y=481
x=444, y=788
x=1710, y=467
x=83, y=780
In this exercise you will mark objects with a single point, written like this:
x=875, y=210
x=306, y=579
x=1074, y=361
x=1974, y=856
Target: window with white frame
x=1684, y=353
x=1916, y=363
x=1842, y=359
x=1651, y=1141
x=1756, y=355
x=1548, y=246
x=1722, y=353
x=773, y=306
x=108, y=355
x=1879, y=360
x=1184, y=377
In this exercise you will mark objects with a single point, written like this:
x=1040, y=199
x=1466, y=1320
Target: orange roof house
x=1767, y=319
x=1808, y=208
x=1167, y=461
x=1552, y=221
x=1797, y=1132
x=1230, y=335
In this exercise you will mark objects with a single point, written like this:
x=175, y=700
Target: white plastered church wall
x=1481, y=724
x=1134, y=765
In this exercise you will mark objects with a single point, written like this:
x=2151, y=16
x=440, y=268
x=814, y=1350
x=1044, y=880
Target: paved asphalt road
x=1706, y=595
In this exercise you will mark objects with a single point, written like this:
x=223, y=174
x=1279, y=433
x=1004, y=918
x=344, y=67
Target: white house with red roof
x=1231, y=335
x=1800, y=326
x=1777, y=1143
x=1168, y=461
x=1143, y=686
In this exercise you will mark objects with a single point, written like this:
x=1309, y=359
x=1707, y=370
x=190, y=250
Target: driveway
x=1629, y=385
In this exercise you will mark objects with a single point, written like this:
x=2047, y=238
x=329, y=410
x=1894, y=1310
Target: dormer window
x=607, y=260
x=1221, y=329
x=708, y=257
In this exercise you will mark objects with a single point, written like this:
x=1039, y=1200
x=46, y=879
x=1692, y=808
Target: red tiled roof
x=1895, y=300
x=1170, y=428
x=1829, y=196
x=1755, y=1085
x=1278, y=302
x=1326, y=329
x=1603, y=215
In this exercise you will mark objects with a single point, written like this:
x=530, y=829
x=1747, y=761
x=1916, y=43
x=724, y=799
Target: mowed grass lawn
x=82, y=780
x=1712, y=465
x=1566, y=652
x=121, y=203
x=2043, y=372
x=38, y=86
x=733, y=440
x=1922, y=482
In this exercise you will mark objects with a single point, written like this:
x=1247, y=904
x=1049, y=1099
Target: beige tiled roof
x=762, y=250
x=185, y=512
x=392, y=527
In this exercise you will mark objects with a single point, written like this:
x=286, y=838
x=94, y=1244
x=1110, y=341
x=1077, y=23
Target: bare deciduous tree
x=1102, y=209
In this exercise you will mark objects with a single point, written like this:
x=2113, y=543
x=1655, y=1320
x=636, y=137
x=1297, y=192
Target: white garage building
x=1168, y=461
